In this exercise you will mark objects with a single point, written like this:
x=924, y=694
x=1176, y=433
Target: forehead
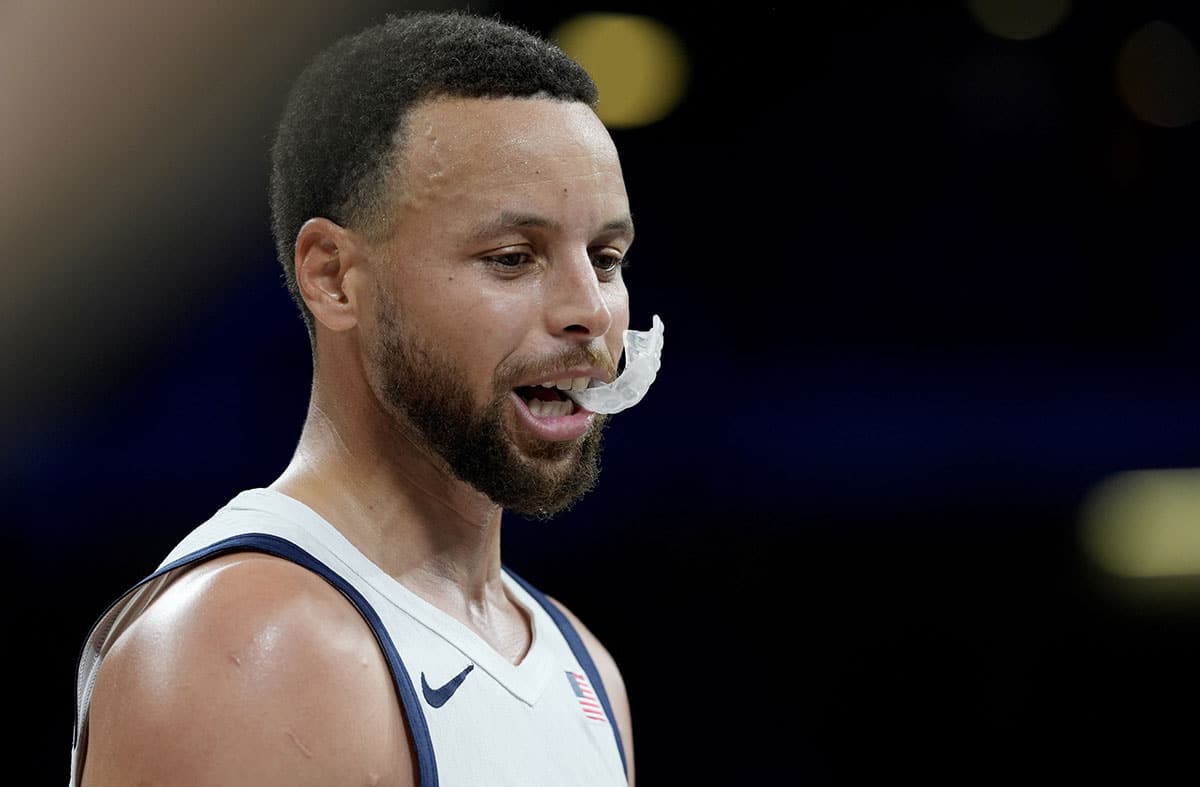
x=456, y=146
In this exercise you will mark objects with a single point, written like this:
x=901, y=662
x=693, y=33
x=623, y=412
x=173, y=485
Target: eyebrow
x=510, y=220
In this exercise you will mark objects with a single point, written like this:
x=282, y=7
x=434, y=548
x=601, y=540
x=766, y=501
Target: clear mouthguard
x=643, y=351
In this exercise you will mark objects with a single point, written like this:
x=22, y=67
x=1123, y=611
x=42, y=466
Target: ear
x=325, y=254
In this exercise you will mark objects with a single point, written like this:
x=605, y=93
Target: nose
x=575, y=303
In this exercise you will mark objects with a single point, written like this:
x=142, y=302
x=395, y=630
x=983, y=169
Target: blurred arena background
x=916, y=493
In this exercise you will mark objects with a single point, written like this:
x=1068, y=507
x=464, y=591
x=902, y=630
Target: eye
x=608, y=262
x=510, y=261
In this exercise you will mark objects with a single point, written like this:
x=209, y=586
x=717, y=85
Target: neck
x=373, y=479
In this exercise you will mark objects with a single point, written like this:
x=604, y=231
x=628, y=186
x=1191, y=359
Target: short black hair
x=337, y=136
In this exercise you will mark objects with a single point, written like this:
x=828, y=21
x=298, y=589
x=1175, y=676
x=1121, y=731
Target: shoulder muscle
x=246, y=670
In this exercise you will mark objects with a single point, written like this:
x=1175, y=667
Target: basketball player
x=452, y=220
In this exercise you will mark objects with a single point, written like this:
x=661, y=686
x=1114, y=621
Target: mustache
x=582, y=355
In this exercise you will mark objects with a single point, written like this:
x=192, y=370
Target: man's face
x=501, y=274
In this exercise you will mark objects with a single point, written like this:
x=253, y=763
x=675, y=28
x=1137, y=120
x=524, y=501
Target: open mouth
x=547, y=411
x=546, y=401
x=553, y=398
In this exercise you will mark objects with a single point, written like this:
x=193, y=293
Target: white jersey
x=475, y=718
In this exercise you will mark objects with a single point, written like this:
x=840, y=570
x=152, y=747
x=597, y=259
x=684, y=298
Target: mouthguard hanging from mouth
x=643, y=351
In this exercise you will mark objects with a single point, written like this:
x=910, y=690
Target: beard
x=432, y=393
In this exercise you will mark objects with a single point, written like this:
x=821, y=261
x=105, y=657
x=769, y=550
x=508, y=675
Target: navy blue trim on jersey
x=581, y=654
x=282, y=548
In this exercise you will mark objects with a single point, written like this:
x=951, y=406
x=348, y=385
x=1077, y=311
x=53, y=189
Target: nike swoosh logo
x=438, y=697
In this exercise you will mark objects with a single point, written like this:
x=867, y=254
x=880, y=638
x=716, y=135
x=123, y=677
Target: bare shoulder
x=247, y=669
x=614, y=683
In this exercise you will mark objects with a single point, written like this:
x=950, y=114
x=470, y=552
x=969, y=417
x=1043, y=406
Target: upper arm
x=614, y=684
x=246, y=670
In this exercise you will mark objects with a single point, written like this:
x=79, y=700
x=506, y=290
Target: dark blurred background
x=913, y=497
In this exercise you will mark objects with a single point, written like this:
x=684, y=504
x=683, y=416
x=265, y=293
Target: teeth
x=550, y=409
x=569, y=384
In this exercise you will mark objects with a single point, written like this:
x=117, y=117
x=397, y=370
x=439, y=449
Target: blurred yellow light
x=639, y=65
x=1019, y=20
x=1144, y=523
x=1158, y=75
